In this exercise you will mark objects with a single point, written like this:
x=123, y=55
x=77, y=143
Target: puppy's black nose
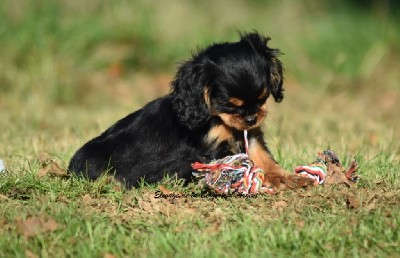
x=250, y=119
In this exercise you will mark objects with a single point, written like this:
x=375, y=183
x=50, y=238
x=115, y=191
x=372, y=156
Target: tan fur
x=275, y=175
x=206, y=96
x=236, y=102
x=219, y=133
x=233, y=121
x=262, y=159
x=238, y=123
x=262, y=113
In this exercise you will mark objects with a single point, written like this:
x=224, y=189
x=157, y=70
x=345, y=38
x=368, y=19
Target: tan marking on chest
x=219, y=133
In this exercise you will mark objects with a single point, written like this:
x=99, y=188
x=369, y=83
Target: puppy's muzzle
x=250, y=120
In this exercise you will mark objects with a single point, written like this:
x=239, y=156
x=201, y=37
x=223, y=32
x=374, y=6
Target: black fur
x=170, y=133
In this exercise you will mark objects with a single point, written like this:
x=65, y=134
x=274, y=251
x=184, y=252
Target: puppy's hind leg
x=87, y=163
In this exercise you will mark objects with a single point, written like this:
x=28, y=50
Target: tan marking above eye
x=236, y=102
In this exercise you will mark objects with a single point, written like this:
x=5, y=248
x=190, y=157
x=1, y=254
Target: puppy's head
x=231, y=81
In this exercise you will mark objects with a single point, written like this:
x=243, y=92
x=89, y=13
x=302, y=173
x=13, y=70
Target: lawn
x=70, y=69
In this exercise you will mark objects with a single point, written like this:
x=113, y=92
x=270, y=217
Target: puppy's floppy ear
x=275, y=69
x=276, y=78
x=189, y=93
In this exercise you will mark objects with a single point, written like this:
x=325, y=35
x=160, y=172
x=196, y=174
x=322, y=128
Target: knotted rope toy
x=237, y=174
x=234, y=174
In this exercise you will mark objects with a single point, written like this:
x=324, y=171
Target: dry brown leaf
x=353, y=202
x=337, y=178
x=168, y=193
x=336, y=173
x=279, y=205
x=29, y=227
x=167, y=209
x=164, y=190
x=164, y=210
x=213, y=229
x=189, y=211
x=371, y=203
x=44, y=158
x=149, y=196
x=108, y=255
x=378, y=181
x=52, y=169
x=34, y=225
x=391, y=194
x=87, y=199
x=306, y=194
x=63, y=199
x=146, y=206
x=50, y=225
x=30, y=254
x=115, y=70
x=300, y=223
x=3, y=197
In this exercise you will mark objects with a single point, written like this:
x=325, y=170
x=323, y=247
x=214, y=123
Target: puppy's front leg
x=275, y=176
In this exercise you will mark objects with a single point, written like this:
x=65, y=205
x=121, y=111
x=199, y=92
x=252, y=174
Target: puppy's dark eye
x=233, y=108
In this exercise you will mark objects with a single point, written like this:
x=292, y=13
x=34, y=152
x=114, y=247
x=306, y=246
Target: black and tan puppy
x=216, y=95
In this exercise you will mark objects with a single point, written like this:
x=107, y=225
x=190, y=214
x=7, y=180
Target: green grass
x=69, y=69
x=318, y=222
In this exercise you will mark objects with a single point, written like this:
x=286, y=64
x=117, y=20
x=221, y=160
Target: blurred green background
x=77, y=66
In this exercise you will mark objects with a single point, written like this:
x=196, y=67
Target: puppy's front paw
x=295, y=181
x=274, y=180
x=284, y=180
